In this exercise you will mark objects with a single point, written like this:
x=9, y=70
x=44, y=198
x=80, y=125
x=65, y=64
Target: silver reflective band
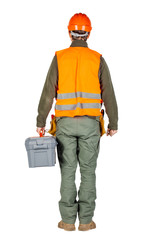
x=79, y=35
x=80, y=105
x=78, y=94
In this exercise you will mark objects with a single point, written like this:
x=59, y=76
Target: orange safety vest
x=78, y=90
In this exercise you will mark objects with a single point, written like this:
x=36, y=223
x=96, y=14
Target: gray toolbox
x=41, y=151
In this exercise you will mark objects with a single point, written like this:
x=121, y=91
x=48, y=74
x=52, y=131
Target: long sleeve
x=108, y=95
x=48, y=93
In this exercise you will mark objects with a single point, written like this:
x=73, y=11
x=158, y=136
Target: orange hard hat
x=80, y=21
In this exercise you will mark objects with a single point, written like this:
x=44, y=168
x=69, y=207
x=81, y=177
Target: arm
x=108, y=95
x=48, y=94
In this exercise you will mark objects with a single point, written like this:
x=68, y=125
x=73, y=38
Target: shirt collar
x=79, y=43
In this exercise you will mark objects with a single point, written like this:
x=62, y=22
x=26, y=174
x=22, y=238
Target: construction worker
x=80, y=81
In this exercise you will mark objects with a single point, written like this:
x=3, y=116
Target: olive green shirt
x=49, y=91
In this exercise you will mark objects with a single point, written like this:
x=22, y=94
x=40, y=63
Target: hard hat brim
x=79, y=27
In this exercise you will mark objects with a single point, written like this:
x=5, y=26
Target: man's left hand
x=111, y=132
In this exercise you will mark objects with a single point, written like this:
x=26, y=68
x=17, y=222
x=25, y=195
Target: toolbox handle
x=41, y=146
x=41, y=133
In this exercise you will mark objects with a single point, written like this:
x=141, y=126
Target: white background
x=128, y=171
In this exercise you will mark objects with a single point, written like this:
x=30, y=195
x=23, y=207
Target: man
x=80, y=81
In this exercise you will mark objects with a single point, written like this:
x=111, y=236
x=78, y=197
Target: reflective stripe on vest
x=78, y=90
x=78, y=94
x=80, y=105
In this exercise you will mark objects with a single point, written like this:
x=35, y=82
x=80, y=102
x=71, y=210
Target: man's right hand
x=40, y=129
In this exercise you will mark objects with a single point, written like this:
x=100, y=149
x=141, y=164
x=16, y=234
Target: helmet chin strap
x=79, y=35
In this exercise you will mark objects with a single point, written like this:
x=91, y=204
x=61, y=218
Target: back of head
x=79, y=27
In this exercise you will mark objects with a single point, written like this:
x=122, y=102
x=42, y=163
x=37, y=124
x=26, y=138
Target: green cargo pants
x=78, y=142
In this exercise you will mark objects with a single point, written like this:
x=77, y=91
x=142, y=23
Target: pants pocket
x=57, y=119
x=97, y=118
x=96, y=143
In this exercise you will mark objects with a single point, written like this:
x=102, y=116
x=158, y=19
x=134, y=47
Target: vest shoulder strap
x=95, y=52
x=60, y=51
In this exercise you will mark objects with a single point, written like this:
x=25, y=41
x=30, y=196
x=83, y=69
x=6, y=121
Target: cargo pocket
x=95, y=141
